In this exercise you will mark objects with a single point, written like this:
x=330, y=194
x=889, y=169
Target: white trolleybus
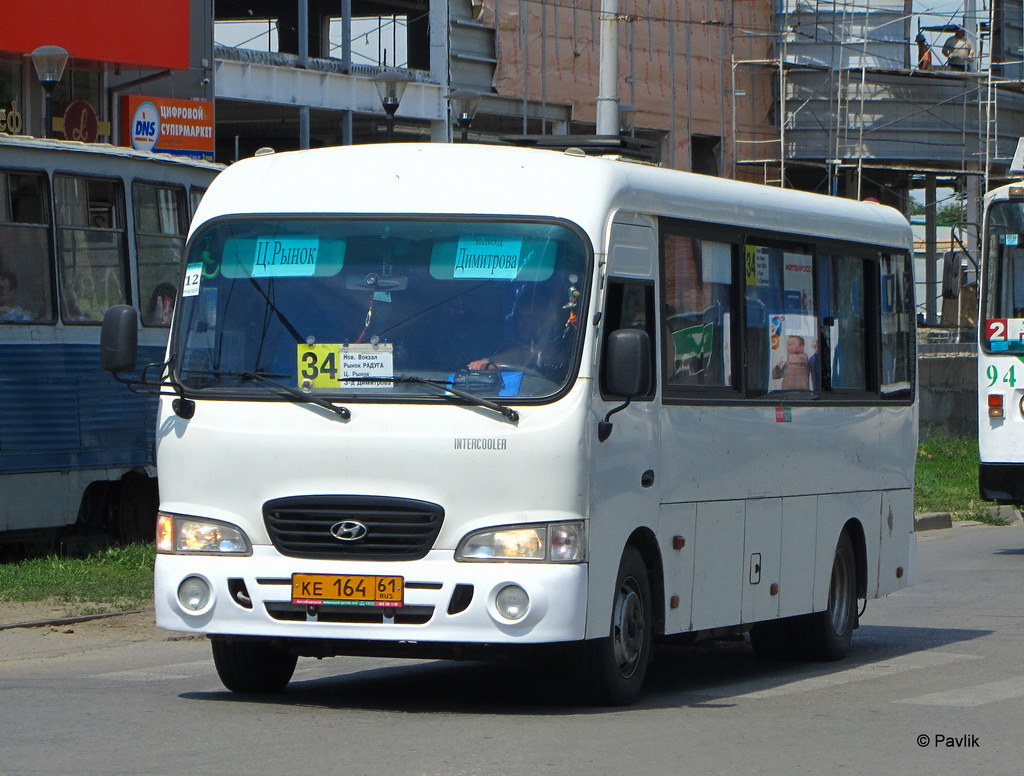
x=453, y=400
x=1001, y=355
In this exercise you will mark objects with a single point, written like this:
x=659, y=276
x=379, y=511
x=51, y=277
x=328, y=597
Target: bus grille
x=352, y=527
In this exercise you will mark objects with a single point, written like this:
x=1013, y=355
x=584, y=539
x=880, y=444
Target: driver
x=541, y=339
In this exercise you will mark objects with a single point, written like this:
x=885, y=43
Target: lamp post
x=390, y=87
x=49, y=62
x=465, y=103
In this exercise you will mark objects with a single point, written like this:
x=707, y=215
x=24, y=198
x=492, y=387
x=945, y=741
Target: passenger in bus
x=161, y=305
x=9, y=310
x=542, y=321
x=794, y=370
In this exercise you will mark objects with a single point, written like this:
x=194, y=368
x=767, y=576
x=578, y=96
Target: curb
x=67, y=620
x=932, y=521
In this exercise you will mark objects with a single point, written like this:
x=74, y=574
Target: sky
x=936, y=12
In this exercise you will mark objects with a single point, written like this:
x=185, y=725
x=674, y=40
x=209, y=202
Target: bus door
x=624, y=493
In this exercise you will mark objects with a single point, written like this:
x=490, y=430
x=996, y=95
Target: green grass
x=947, y=479
x=120, y=578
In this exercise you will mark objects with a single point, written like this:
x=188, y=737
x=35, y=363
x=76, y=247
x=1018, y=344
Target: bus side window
x=698, y=293
x=843, y=323
x=782, y=323
x=898, y=327
x=629, y=304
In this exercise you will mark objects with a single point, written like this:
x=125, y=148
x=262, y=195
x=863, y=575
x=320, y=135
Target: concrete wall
x=949, y=394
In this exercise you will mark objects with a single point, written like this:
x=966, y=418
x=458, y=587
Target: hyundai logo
x=348, y=531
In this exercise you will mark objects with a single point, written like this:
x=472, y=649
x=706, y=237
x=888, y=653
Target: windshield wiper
x=297, y=394
x=444, y=388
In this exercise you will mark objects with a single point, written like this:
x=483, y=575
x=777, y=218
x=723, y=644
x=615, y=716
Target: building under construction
x=852, y=98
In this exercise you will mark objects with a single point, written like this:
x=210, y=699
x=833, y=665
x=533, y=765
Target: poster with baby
x=792, y=352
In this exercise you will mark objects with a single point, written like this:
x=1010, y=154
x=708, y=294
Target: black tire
x=252, y=666
x=827, y=635
x=611, y=671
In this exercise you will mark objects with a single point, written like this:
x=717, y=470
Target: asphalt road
x=934, y=685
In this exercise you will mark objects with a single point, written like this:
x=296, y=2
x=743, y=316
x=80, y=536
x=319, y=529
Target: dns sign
x=10, y=120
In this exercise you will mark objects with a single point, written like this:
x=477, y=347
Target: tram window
x=91, y=248
x=160, y=223
x=194, y=197
x=26, y=288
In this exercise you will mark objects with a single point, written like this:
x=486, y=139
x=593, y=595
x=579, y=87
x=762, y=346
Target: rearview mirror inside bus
x=119, y=339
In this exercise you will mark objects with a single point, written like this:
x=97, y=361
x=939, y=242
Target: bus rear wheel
x=827, y=635
x=248, y=666
x=611, y=671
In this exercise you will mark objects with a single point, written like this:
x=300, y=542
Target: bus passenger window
x=843, y=323
x=898, y=333
x=782, y=319
x=698, y=311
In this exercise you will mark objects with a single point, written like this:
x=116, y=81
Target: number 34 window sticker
x=328, y=365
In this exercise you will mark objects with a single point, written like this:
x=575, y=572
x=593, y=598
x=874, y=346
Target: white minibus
x=437, y=400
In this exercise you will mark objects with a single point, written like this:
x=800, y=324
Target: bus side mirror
x=628, y=364
x=119, y=339
x=627, y=371
x=951, y=281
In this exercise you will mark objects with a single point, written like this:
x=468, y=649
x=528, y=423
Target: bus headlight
x=553, y=542
x=179, y=534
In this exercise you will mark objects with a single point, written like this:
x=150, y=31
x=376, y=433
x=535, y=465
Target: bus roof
x=475, y=179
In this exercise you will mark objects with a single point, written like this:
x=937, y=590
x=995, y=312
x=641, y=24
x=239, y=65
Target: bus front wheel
x=827, y=635
x=252, y=666
x=610, y=671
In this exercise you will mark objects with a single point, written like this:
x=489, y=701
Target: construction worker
x=958, y=50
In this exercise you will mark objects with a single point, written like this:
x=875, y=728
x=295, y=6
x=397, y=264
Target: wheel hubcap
x=628, y=627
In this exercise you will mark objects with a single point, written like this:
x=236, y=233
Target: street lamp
x=464, y=104
x=49, y=62
x=390, y=87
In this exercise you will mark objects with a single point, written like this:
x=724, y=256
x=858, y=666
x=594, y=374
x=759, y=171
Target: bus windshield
x=355, y=308
x=1004, y=283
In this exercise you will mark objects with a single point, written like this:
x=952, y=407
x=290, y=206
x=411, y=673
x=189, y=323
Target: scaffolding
x=863, y=114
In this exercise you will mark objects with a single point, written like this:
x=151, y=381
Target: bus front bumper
x=443, y=602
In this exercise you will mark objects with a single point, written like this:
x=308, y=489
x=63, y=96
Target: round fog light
x=194, y=593
x=512, y=602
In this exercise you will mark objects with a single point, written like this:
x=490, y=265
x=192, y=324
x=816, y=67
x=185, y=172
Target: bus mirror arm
x=119, y=352
x=604, y=428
